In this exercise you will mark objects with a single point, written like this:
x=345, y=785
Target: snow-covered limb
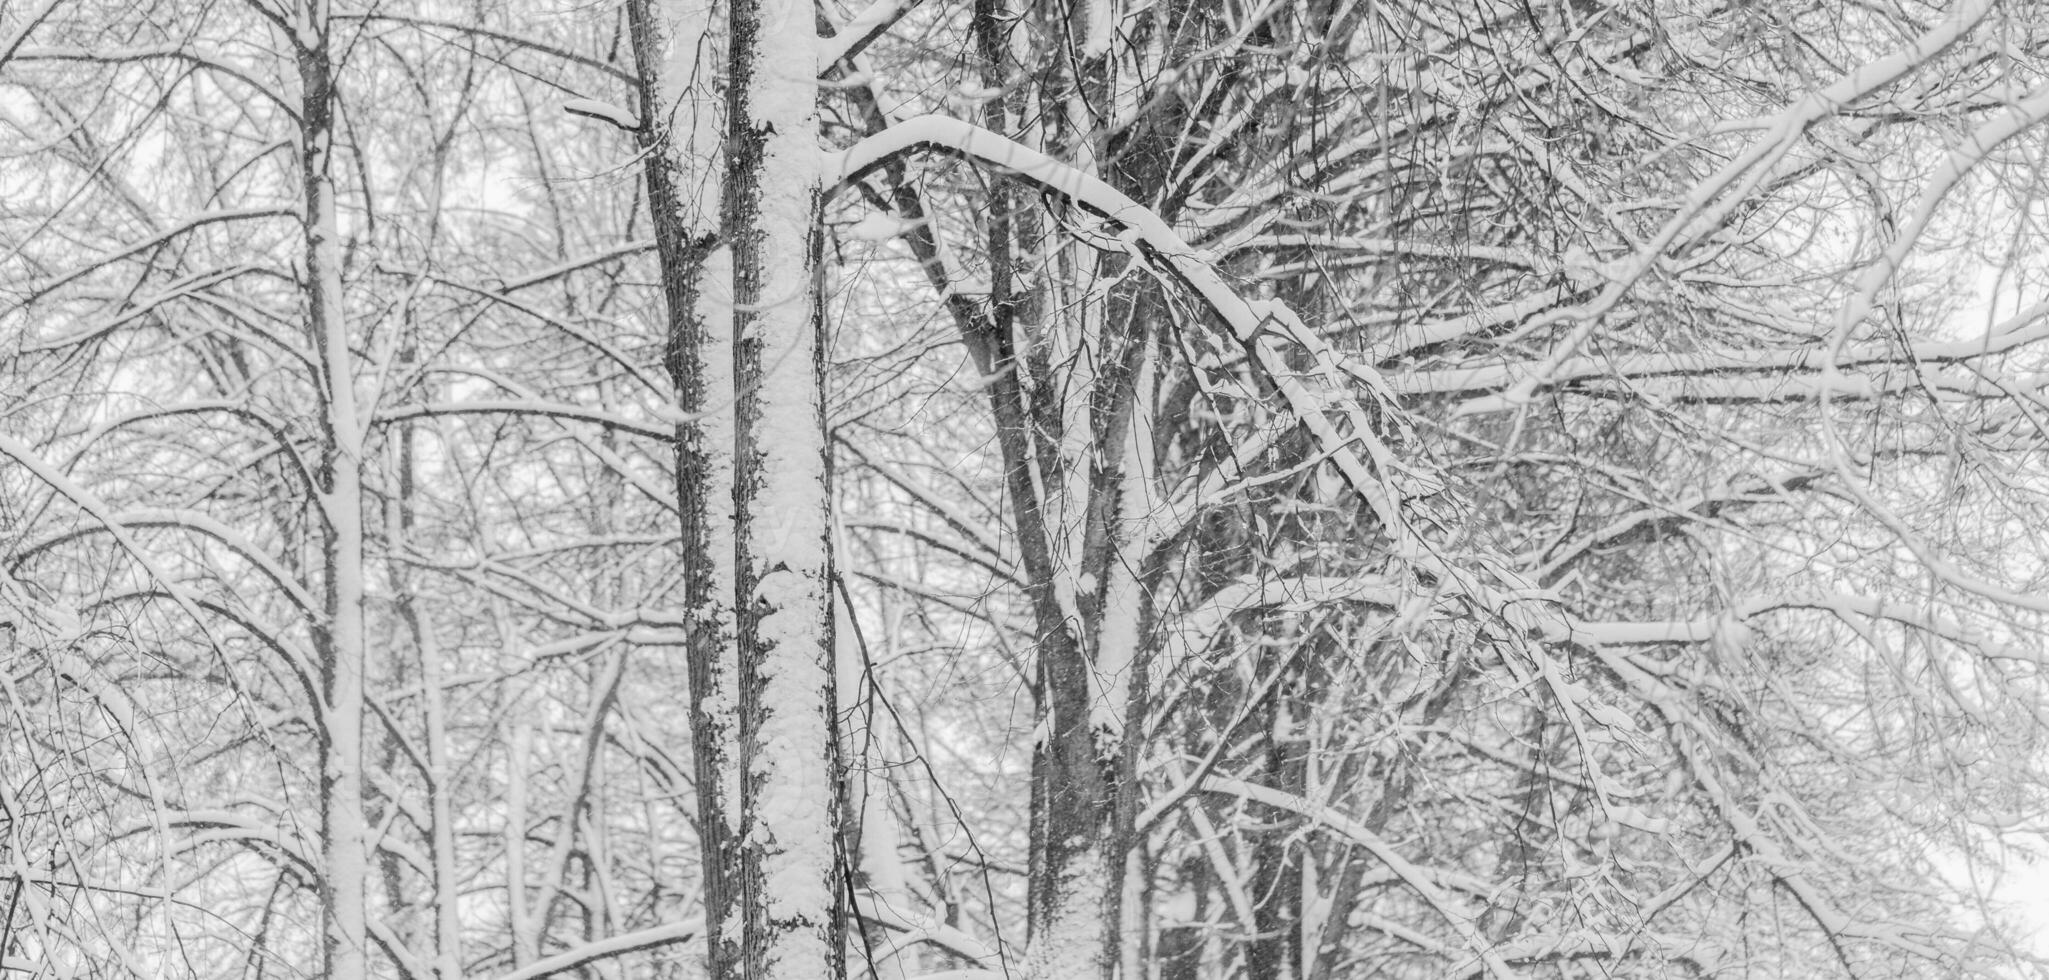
x=914, y=928
x=663, y=432
x=162, y=238
x=1202, y=622
x=666, y=934
x=1788, y=372
x=551, y=273
x=602, y=111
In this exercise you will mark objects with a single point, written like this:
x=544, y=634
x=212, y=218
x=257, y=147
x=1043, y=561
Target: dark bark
x=685, y=234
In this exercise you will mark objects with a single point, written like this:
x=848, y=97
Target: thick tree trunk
x=344, y=839
x=680, y=59
x=791, y=896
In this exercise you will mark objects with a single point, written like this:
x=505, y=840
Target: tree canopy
x=1051, y=489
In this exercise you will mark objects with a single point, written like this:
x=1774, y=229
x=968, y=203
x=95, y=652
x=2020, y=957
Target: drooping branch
x=1258, y=324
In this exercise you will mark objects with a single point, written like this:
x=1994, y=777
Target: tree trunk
x=792, y=904
x=674, y=43
x=344, y=839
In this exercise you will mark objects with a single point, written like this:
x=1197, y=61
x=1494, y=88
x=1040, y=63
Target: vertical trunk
x=1124, y=644
x=448, y=957
x=1520, y=855
x=1181, y=943
x=674, y=44
x=1070, y=901
x=1071, y=905
x=1277, y=857
x=517, y=751
x=1180, y=953
x=446, y=925
x=344, y=839
x=791, y=897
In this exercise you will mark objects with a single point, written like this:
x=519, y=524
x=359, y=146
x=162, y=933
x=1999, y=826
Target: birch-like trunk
x=790, y=864
x=344, y=839
x=676, y=45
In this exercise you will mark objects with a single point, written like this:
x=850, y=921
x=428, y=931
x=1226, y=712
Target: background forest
x=1179, y=489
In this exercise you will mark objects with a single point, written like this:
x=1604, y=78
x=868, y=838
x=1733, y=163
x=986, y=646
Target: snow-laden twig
x=1729, y=188
x=2019, y=117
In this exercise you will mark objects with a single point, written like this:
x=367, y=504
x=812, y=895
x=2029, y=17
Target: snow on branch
x=667, y=933
x=1721, y=370
x=850, y=38
x=603, y=112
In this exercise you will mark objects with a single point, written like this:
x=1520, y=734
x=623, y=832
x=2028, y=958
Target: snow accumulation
x=878, y=227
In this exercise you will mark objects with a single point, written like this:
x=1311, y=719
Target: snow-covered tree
x=1057, y=489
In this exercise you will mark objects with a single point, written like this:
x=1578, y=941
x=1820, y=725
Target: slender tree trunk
x=1276, y=858
x=519, y=747
x=448, y=957
x=344, y=839
x=791, y=895
x=676, y=45
x=447, y=923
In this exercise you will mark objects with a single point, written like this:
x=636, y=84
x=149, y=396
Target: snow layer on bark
x=717, y=428
x=1124, y=597
x=786, y=534
x=1073, y=945
x=344, y=866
